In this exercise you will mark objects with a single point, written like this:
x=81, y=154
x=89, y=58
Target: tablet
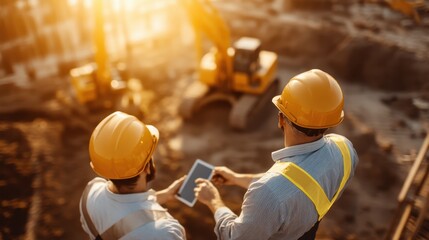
x=186, y=193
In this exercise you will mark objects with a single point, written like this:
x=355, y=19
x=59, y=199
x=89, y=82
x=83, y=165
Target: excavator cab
x=246, y=59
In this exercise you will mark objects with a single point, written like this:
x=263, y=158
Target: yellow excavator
x=242, y=74
x=100, y=84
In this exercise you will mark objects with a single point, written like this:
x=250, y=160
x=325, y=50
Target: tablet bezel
x=194, y=166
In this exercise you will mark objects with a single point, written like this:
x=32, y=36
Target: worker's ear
x=281, y=120
x=147, y=168
x=150, y=171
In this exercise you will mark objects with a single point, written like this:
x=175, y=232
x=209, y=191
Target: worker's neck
x=139, y=188
x=293, y=138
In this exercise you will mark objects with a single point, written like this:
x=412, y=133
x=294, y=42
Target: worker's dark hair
x=128, y=182
x=309, y=131
x=132, y=182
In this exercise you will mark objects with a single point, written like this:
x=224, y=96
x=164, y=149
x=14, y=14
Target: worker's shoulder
x=352, y=150
x=97, y=183
x=334, y=136
x=95, y=187
x=97, y=180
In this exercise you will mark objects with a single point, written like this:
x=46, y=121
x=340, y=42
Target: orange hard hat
x=312, y=99
x=121, y=146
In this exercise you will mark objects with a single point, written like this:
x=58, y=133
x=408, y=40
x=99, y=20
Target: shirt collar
x=132, y=197
x=146, y=200
x=297, y=150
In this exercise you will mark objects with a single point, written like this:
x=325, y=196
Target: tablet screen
x=200, y=169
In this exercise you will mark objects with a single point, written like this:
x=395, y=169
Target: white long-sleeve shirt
x=273, y=207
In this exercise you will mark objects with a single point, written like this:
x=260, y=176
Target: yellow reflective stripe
x=346, y=164
x=308, y=185
x=305, y=182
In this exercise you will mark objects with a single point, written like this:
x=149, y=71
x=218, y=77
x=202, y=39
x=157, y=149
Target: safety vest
x=125, y=225
x=308, y=185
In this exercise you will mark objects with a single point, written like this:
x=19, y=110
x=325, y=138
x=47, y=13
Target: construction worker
x=309, y=174
x=120, y=205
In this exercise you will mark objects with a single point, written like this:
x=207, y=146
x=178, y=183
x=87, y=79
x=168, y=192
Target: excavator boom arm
x=206, y=20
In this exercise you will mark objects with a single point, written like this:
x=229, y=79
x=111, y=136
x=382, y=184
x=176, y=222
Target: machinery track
x=246, y=108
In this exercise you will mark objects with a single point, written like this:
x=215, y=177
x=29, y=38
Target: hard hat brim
x=154, y=131
x=275, y=101
x=155, y=134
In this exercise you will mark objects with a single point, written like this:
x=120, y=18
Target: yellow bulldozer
x=241, y=74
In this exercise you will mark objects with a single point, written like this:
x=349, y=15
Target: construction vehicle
x=242, y=74
x=102, y=85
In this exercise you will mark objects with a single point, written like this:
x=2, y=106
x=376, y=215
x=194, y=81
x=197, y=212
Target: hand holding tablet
x=186, y=193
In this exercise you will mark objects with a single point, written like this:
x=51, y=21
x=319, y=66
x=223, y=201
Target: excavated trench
x=368, y=44
x=44, y=161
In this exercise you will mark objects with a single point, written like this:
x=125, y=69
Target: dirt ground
x=44, y=162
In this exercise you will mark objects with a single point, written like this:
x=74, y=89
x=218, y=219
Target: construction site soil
x=380, y=58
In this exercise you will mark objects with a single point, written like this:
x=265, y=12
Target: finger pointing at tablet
x=207, y=193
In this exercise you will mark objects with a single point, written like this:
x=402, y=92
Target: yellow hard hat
x=312, y=99
x=121, y=146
